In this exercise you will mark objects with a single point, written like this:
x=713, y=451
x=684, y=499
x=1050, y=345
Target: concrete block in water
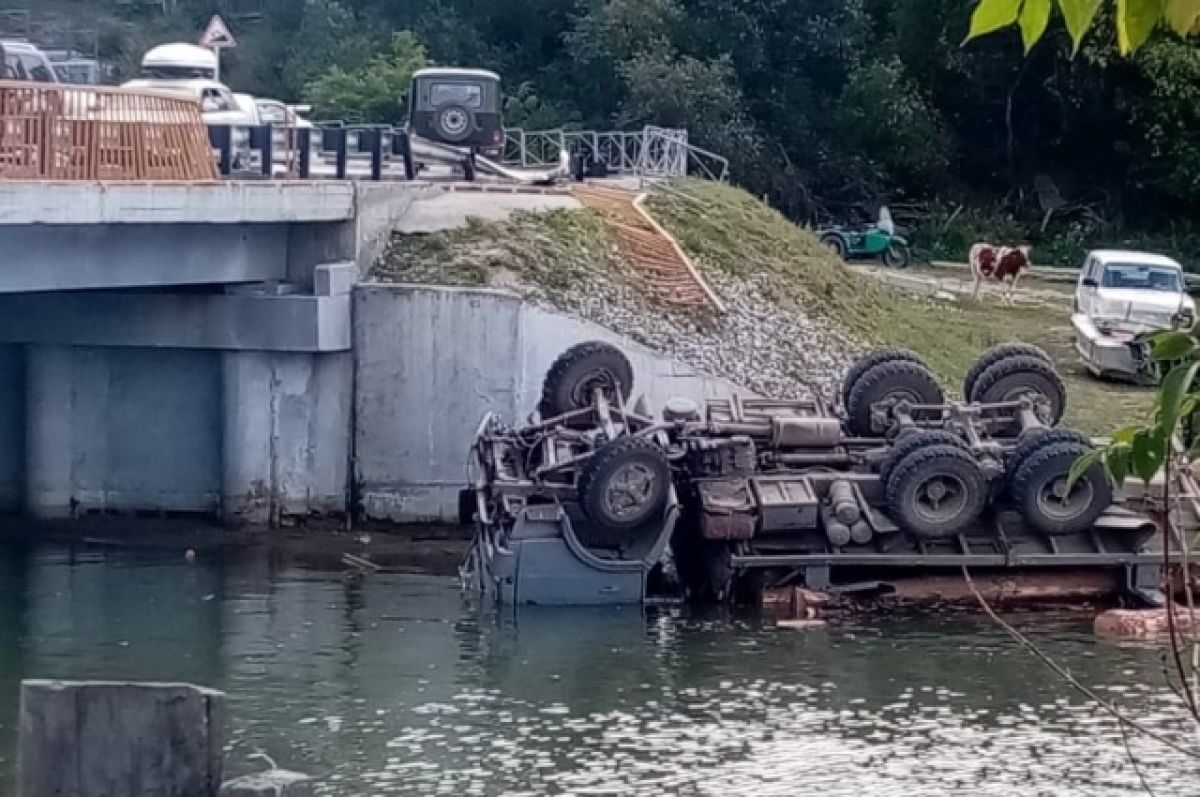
x=101, y=738
x=272, y=783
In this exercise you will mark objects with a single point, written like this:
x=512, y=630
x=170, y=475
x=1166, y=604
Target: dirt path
x=953, y=284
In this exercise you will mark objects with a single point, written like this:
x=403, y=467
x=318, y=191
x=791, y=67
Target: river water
x=392, y=684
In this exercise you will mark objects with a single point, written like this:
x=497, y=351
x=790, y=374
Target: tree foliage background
x=828, y=107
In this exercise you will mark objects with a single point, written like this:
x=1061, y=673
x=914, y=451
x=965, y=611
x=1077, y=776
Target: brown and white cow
x=999, y=264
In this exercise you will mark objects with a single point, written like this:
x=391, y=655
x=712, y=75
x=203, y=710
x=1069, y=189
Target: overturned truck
x=598, y=500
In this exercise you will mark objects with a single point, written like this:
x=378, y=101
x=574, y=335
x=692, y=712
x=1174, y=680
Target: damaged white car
x=1122, y=298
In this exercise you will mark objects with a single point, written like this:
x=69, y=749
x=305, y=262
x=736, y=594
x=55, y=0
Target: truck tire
x=1024, y=375
x=580, y=370
x=1039, y=490
x=1033, y=439
x=914, y=442
x=937, y=492
x=995, y=355
x=889, y=382
x=869, y=361
x=625, y=484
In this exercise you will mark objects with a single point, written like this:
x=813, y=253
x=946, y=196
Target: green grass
x=723, y=227
x=565, y=252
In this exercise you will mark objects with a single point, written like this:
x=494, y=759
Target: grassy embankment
x=725, y=228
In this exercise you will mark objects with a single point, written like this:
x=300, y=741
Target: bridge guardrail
x=330, y=149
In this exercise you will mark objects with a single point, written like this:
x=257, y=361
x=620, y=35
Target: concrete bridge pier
x=286, y=424
x=234, y=403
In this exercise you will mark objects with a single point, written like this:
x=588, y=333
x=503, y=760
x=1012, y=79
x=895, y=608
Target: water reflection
x=391, y=685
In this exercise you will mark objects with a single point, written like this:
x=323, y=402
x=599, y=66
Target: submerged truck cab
x=460, y=107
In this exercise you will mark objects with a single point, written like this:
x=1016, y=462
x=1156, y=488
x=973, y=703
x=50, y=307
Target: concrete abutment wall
x=432, y=361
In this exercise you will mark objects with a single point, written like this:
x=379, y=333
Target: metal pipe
x=843, y=503
x=836, y=532
x=861, y=533
x=832, y=458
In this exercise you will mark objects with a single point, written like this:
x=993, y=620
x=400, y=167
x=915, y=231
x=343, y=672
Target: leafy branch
x=1135, y=19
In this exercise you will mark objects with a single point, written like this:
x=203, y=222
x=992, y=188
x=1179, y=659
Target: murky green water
x=391, y=685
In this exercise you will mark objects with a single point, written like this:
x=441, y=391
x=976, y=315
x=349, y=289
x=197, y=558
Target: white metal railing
x=649, y=152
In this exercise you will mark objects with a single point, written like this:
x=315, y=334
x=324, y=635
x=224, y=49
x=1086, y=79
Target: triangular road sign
x=217, y=34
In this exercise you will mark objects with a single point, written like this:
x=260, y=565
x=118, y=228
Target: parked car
x=23, y=61
x=459, y=107
x=1121, y=298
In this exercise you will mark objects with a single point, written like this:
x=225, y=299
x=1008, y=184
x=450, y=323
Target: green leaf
x=1147, y=452
x=1172, y=345
x=1035, y=15
x=1078, y=15
x=1081, y=465
x=1124, y=435
x=992, y=15
x=1172, y=392
x=1116, y=462
x=1182, y=15
x=1135, y=20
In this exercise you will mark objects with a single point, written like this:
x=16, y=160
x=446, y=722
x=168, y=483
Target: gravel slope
x=567, y=260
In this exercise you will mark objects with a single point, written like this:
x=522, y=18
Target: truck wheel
x=573, y=378
x=1040, y=491
x=914, y=442
x=1033, y=439
x=869, y=361
x=995, y=355
x=937, y=492
x=835, y=243
x=888, y=383
x=625, y=484
x=1024, y=376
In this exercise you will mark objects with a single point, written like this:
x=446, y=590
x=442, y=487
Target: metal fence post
x=266, y=149
x=340, y=148
x=221, y=138
x=304, y=144
x=402, y=140
x=376, y=154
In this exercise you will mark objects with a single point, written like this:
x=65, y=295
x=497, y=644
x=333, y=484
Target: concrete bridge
x=210, y=349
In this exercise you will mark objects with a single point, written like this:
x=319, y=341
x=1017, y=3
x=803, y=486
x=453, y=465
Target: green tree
x=373, y=93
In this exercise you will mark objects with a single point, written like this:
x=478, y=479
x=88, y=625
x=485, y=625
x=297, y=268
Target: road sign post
x=217, y=37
